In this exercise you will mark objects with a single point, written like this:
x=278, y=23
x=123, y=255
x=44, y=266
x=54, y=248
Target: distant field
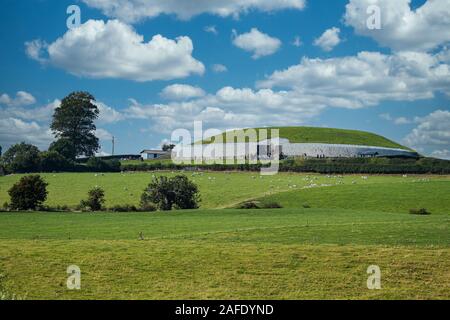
x=389, y=197
x=218, y=189
x=226, y=254
x=330, y=136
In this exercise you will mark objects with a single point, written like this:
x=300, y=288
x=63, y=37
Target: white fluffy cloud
x=260, y=44
x=21, y=99
x=219, y=68
x=136, y=10
x=329, y=39
x=228, y=107
x=366, y=79
x=432, y=132
x=181, y=92
x=13, y=130
x=442, y=154
x=114, y=50
x=402, y=28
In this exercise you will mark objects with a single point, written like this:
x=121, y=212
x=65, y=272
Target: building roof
x=154, y=151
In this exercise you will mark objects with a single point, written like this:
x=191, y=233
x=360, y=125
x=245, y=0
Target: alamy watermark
x=74, y=20
x=374, y=279
x=248, y=146
x=373, y=21
x=74, y=279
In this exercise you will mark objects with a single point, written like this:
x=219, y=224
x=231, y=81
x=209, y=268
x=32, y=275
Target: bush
x=165, y=193
x=99, y=165
x=22, y=158
x=53, y=161
x=123, y=208
x=64, y=147
x=272, y=205
x=249, y=205
x=95, y=201
x=29, y=193
x=423, y=212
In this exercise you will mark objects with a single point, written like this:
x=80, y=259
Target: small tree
x=22, y=158
x=74, y=120
x=168, y=147
x=166, y=193
x=53, y=161
x=29, y=193
x=96, y=199
x=64, y=147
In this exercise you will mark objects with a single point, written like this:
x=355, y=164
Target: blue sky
x=393, y=81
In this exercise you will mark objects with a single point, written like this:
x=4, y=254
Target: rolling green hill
x=329, y=136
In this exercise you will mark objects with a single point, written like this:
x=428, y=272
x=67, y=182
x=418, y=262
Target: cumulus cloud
x=114, y=50
x=219, y=68
x=398, y=120
x=366, y=79
x=21, y=99
x=229, y=106
x=181, y=92
x=107, y=113
x=260, y=44
x=136, y=10
x=13, y=130
x=442, y=154
x=297, y=42
x=403, y=28
x=329, y=39
x=211, y=29
x=433, y=131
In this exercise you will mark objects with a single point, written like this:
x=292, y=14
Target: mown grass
x=290, y=253
x=226, y=254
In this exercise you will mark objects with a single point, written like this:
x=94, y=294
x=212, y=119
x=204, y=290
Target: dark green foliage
x=99, y=165
x=124, y=208
x=64, y=147
x=259, y=205
x=22, y=158
x=52, y=161
x=29, y=193
x=422, y=212
x=168, y=147
x=249, y=205
x=165, y=193
x=95, y=201
x=74, y=121
x=324, y=166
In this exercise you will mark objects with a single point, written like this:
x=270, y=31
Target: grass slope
x=329, y=136
x=388, y=197
x=218, y=189
x=226, y=254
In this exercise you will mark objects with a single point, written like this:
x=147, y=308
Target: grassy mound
x=329, y=136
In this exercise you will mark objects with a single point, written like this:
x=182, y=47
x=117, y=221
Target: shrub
x=272, y=205
x=64, y=147
x=165, y=193
x=22, y=158
x=29, y=193
x=423, y=212
x=123, y=208
x=99, y=165
x=249, y=205
x=95, y=201
x=53, y=161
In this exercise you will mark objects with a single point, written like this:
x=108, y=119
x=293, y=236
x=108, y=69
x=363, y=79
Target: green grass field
x=321, y=252
x=327, y=135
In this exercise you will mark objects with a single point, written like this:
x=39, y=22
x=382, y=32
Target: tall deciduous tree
x=74, y=120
